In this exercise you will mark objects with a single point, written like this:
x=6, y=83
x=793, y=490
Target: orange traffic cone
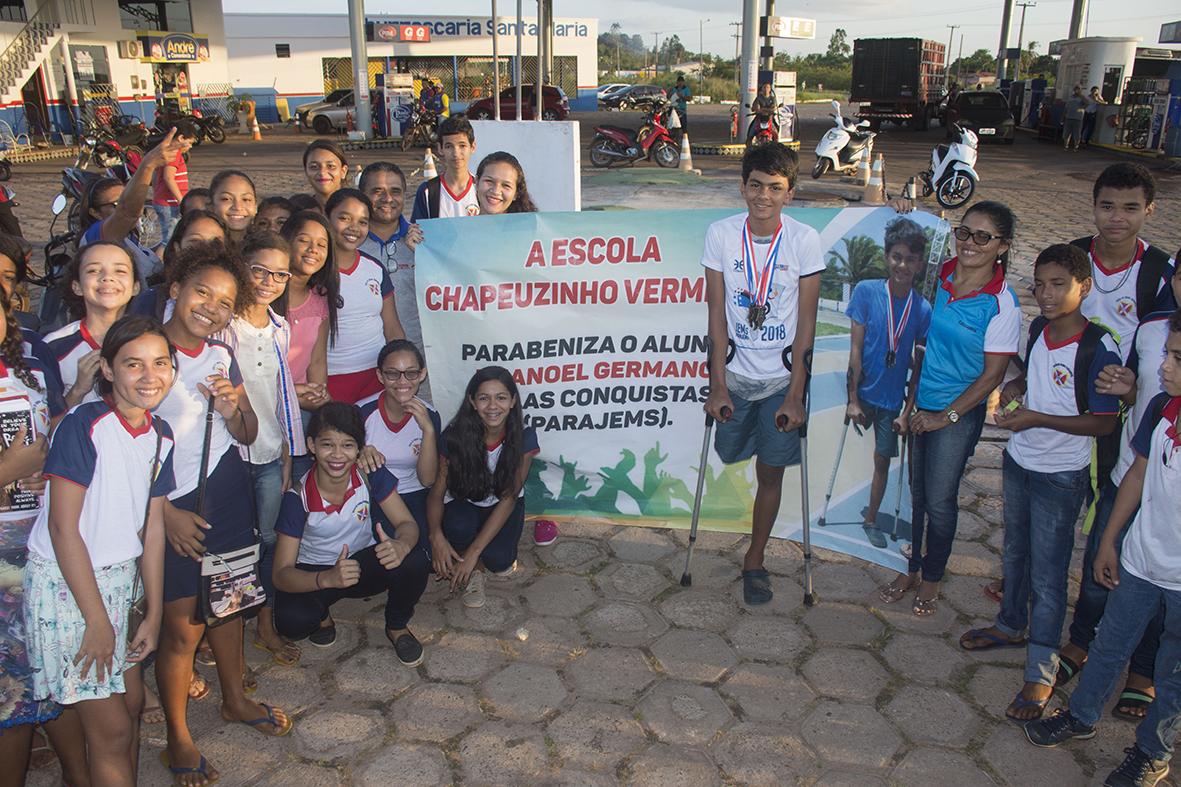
x=874, y=189
x=428, y=166
x=686, y=154
x=863, y=171
x=255, y=133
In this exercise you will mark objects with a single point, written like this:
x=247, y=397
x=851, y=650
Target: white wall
x=549, y=152
x=1084, y=60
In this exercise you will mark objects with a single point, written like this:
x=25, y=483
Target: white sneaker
x=508, y=572
x=473, y=594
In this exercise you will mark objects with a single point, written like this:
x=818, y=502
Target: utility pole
x=1002, y=61
x=768, y=50
x=1078, y=14
x=360, y=67
x=959, y=64
x=947, y=65
x=1021, y=39
x=700, y=49
x=750, y=53
x=655, y=54
x=737, y=35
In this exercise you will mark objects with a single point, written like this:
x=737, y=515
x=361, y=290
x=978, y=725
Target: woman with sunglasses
x=975, y=330
x=261, y=341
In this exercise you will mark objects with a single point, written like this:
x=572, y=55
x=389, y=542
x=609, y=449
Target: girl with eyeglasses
x=261, y=341
x=975, y=330
x=403, y=430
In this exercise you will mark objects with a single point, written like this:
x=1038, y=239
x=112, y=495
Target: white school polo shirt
x=360, y=335
x=95, y=448
x=759, y=353
x=68, y=344
x=1112, y=299
x=1147, y=350
x=400, y=443
x=453, y=204
x=1152, y=548
x=184, y=409
x=529, y=447
x=1050, y=388
x=322, y=528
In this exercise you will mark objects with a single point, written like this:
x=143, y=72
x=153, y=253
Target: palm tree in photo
x=862, y=259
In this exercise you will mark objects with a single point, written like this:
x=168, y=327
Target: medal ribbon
x=894, y=335
x=758, y=294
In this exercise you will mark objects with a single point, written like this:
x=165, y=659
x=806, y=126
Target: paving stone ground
x=595, y=666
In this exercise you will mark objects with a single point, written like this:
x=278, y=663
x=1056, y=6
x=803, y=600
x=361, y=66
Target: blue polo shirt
x=884, y=386
x=964, y=330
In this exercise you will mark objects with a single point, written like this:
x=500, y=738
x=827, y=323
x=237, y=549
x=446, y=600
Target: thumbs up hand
x=345, y=573
x=390, y=551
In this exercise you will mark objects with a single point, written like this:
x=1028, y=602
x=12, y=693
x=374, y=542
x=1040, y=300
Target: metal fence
x=99, y=103
x=216, y=98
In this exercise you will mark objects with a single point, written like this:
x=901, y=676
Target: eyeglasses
x=260, y=274
x=393, y=375
x=102, y=205
x=979, y=237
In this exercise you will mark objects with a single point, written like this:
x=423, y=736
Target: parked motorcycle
x=210, y=127
x=424, y=124
x=844, y=146
x=53, y=312
x=652, y=141
x=952, y=176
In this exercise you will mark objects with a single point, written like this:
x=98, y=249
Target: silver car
x=327, y=116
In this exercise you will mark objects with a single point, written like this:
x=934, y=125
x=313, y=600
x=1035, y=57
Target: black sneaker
x=323, y=637
x=409, y=649
x=1057, y=728
x=1137, y=770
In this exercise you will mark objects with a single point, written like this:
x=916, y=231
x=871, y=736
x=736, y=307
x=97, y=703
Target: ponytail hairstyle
x=1003, y=218
x=522, y=202
x=468, y=477
x=12, y=349
x=326, y=281
x=75, y=303
x=127, y=329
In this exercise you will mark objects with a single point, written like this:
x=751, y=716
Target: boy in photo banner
x=887, y=318
x=763, y=290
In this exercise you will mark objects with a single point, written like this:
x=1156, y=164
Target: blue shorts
x=885, y=439
x=751, y=432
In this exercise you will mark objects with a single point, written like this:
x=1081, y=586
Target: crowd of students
x=280, y=363
x=1106, y=349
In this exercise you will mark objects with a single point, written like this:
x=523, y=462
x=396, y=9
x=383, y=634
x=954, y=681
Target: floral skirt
x=17, y=705
x=55, y=628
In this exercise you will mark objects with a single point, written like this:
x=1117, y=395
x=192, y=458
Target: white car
x=606, y=90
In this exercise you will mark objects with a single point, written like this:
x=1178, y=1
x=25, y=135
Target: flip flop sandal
x=270, y=718
x=1132, y=698
x=42, y=754
x=995, y=593
x=756, y=586
x=202, y=769
x=1020, y=703
x=894, y=592
x=1068, y=668
x=280, y=655
x=925, y=607
x=991, y=641
x=205, y=657
x=205, y=689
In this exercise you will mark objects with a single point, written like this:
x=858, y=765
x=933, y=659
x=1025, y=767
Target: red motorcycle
x=764, y=127
x=652, y=140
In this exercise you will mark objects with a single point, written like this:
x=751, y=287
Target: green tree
x=838, y=46
x=863, y=259
x=980, y=60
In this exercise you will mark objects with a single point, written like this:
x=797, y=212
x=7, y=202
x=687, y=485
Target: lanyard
x=894, y=335
x=757, y=292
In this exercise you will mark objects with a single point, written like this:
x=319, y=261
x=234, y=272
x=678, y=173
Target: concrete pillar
x=1006, y=25
x=749, y=60
x=364, y=121
x=1078, y=15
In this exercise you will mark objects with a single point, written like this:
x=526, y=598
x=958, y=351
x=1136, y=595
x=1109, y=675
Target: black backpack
x=1154, y=268
x=432, y=197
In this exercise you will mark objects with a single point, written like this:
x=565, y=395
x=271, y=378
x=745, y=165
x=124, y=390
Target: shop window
x=282, y=50
x=13, y=11
x=165, y=15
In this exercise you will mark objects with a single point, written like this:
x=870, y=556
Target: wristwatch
x=952, y=416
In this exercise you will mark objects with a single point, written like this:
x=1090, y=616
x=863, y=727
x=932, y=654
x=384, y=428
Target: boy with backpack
x=887, y=317
x=762, y=287
x=1146, y=578
x=453, y=191
x=1046, y=469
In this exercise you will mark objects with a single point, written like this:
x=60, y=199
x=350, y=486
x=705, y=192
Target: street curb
x=730, y=149
x=373, y=144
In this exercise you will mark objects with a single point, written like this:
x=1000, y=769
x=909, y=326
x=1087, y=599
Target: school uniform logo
x=738, y=266
x=374, y=286
x=221, y=368
x=1061, y=375
x=416, y=446
x=473, y=210
x=1125, y=307
x=361, y=511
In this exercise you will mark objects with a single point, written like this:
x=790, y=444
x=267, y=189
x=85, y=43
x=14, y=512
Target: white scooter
x=844, y=146
x=952, y=176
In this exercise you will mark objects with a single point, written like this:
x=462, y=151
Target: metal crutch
x=832, y=480
x=809, y=596
x=903, y=471
x=686, y=576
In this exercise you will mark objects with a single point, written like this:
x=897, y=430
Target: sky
x=979, y=21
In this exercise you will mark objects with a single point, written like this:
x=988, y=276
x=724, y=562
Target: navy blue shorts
x=885, y=439
x=751, y=431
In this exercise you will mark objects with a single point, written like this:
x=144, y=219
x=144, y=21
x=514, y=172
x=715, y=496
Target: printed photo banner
x=601, y=318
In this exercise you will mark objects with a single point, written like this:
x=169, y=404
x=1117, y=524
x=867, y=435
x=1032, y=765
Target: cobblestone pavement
x=592, y=665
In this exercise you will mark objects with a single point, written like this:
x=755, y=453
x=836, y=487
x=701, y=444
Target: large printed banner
x=601, y=317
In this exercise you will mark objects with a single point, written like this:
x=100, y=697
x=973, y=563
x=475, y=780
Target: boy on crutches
x=887, y=318
x=763, y=289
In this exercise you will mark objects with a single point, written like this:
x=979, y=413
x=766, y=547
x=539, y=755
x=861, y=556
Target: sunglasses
x=979, y=237
x=260, y=274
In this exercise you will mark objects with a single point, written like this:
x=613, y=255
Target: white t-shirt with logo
x=1112, y=300
x=360, y=335
x=1147, y=350
x=454, y=204
x=529, y=447
x=1152, y=547
x=759, y=353
x=1050, y=389
x=400, y=443
x=184, y=409
x=69, y=344
x=323, y=528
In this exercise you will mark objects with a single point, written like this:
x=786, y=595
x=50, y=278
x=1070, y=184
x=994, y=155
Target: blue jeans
x=268, y=494
x=935, y=489
x=462, y=522
x=168, y=215
x=1092, y=597
x=1040, y=513
x=1130, y=608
